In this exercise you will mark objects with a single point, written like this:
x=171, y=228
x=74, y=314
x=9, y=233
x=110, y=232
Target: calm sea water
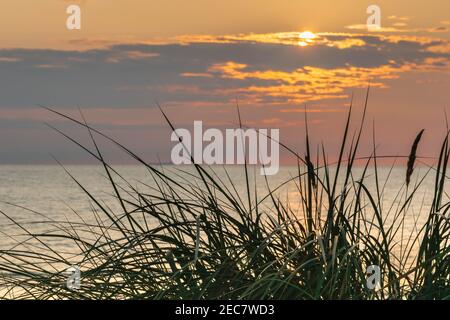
x=37, y=196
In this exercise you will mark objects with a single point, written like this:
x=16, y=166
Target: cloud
x=206, y=70
x=399, y=25
x=193, y=74
x=130, y=55
x=437, y=29
x=399, y=18
x=52, y=66
x=9, y=59
x=396, y=27
x=307, y=83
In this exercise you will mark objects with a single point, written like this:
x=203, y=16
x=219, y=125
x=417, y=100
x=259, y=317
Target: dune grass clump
x=195, y=236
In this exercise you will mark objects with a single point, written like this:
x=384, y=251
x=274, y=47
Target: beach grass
x=194, y=236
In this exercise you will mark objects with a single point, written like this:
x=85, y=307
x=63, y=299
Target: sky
x=199, y=59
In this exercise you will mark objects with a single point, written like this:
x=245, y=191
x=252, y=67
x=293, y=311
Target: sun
x=306, y=37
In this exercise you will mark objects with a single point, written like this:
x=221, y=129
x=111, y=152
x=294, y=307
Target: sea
x=34, y=199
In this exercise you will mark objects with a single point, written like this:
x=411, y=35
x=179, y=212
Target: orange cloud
x=130, y=55
x=308, y=83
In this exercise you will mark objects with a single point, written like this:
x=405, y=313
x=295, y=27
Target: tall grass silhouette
x=194, y=236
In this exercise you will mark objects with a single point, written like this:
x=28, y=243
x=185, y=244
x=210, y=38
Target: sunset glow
x=306, y=38
x=196, y=63
x=307, y=35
